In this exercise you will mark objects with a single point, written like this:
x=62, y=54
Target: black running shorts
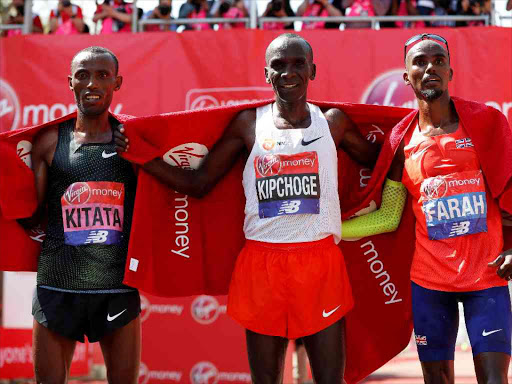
x=75, y=314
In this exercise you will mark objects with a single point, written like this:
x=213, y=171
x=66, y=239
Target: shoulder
x=335, y=115
x=46, y=139
x=242, y=122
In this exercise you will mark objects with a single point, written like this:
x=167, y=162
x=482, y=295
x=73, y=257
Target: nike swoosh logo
x=490, y=332
x=106, y=155
x=112, y=318
x=415, y=156
x=327, y=314
x=304, y=143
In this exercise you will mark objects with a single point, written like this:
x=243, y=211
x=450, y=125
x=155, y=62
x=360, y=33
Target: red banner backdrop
x=192, y=340
x=16, y=355
x=166, y=72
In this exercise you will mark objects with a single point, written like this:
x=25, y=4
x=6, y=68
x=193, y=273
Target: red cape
x=207, y=234
x=186, y=246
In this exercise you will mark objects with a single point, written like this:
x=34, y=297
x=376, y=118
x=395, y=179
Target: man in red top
x=67, y=19
x=459, y=236
x=116, y=16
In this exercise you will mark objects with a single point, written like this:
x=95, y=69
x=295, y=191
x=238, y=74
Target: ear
x=267, y=78
x=313, y=72
x=70, y=82
x=406, y=78
x=119, y=82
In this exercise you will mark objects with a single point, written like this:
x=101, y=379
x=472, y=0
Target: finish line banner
x=165, y=71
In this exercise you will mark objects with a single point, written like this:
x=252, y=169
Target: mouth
x=289, y=86
x=92, y=97
x=432, y=80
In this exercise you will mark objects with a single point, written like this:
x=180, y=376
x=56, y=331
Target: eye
x=81, y=76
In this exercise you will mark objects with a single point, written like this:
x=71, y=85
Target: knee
x=496, y=378
x=51, y=378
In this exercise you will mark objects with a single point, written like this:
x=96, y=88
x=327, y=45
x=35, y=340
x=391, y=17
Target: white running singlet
x=291, y=182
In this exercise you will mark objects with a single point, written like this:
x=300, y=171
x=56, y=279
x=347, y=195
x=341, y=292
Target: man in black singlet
x=87, y=192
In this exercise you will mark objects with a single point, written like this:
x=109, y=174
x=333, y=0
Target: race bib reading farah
x=287, y=184
x=92, y=213
x=454, y=205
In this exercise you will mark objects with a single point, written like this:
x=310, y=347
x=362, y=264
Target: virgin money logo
x=204, y=372
x=389, y=89
x=24, y=150
x=9, y=107
x=145, y=308
x=78, y=193
x=434, y=188
x=143, y=373
x=269, y=165
x=217, y=97
x=206, y=309
x=187, y=156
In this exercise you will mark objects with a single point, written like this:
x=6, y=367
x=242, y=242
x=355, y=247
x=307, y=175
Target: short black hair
x=100, y=51
x=295, y=36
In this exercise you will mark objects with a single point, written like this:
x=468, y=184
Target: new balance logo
x=289, y=207
x=459, y=229
x=97, y=237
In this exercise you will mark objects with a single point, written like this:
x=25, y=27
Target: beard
x=431, y=94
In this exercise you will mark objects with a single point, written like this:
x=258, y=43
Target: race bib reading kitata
x=92, y=213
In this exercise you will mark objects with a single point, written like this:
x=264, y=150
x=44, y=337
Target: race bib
x=93, y=212
x=454, y=205
x=287, y=184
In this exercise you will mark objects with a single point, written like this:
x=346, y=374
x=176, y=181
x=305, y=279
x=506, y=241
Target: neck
x=435, y=113
x=92, y=126
x=292, y=111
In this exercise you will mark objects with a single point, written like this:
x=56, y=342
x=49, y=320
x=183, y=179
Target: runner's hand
x=120, y=140
x=503, y=263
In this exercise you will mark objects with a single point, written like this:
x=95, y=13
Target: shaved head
x=96, y=51
x=425, y=45
x=283, y=41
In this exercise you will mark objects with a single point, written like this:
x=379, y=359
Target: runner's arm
x=346, y=136
x=42, y=156
x=387, y=217
x=198, y=182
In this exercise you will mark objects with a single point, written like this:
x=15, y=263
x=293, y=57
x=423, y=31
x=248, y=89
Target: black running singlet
x=91, y=193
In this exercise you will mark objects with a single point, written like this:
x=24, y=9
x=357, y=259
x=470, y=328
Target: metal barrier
x=253, y=21
x=373, y=20
x=210, y=20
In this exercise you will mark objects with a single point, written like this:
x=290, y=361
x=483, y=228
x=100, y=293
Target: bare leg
x=438, y=372
x=492, y=367
x=266, y=357
x=52, y=355
x=326, y=352
x=121, y=351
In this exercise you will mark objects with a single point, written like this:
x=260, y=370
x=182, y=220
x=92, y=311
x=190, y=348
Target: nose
x=430, y=68
x=288, y=72
x=92, y=83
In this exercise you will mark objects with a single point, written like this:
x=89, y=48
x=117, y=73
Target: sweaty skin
x=93, y=81
x=428, y=72
x=289, y=68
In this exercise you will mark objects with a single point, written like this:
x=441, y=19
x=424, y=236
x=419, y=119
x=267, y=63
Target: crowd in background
x=113, y=16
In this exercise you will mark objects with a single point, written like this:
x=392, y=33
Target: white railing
x=373, y=20
x=253, y=21
x=210, y=20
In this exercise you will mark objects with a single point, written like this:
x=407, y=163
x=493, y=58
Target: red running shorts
x=289, y=290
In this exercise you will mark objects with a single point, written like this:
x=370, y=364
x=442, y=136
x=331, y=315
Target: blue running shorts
x=436, y=321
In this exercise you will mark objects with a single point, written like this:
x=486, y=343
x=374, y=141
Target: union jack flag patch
x=421, y=340
x=463, y=143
